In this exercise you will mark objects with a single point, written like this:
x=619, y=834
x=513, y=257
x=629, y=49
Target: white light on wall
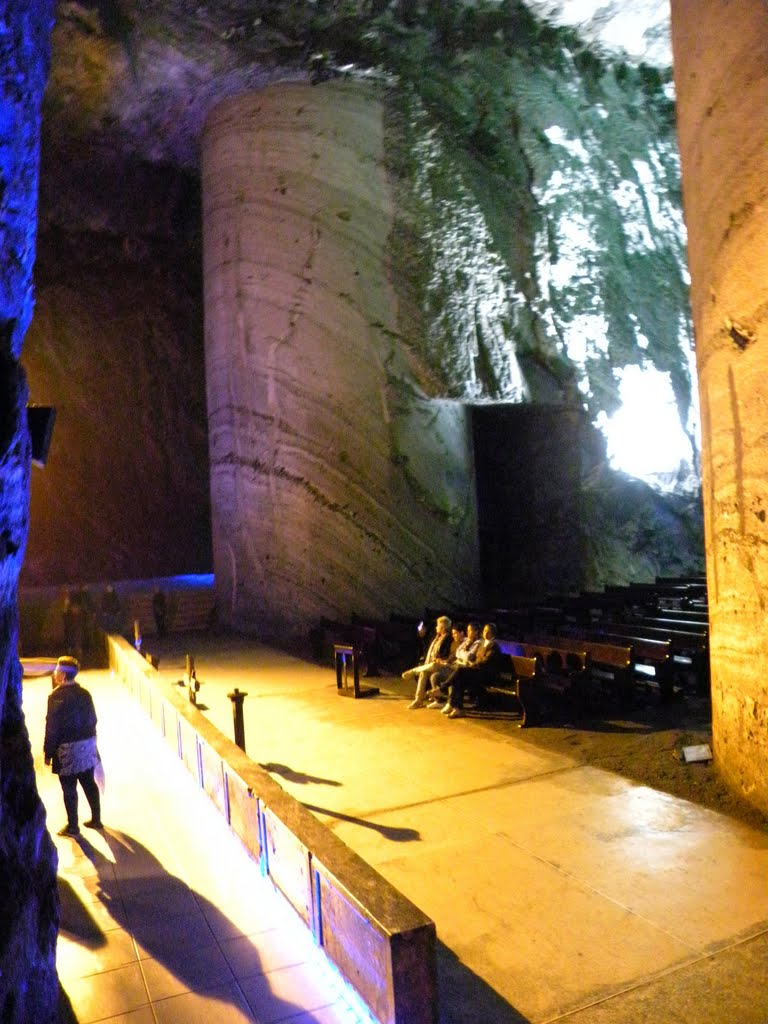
x=645, y=437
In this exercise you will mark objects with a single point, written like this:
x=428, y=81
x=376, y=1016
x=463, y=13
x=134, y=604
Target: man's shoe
x=434, y=704
x=69, y=830
x=446, y=709
x=456, y=713
x=93, y=824
x=416, y=704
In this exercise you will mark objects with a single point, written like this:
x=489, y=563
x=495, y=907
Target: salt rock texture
x=535, y=239
x=28, y=896
x=117, y=351
x=722, y=84
x=336, y=486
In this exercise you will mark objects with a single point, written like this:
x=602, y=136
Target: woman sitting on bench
x=475, y=677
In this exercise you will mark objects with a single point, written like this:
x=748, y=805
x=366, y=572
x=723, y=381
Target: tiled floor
x=165, y=918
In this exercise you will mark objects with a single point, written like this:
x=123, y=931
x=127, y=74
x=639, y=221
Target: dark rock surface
x=539, y=236
x=28, y=899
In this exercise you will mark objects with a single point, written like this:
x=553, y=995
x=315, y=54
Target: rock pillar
x=336, y=487
x=721, y=79
x=28, y=896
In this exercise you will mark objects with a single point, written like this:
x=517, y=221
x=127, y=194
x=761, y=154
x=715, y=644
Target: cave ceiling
x=141, y=76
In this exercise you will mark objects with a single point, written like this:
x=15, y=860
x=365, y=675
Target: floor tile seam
x=210, y=990
x=262, y=973
x=586, y=887
x=93, y=978
x=136, y=961
x=656, y=977
x=300, y=1012
x=448, y=797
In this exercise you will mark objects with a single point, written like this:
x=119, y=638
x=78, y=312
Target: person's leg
x=69, y=791
x=92, y=795
x=436, y=681
x=419, y=700
x=456, y=693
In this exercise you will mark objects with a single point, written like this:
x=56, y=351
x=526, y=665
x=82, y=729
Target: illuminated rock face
x=28, y=900
x=336, y=486
x=722, y=85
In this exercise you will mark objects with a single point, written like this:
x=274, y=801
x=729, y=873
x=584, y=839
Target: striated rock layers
x=28, y=899
x=722, y=87
x=337, y=486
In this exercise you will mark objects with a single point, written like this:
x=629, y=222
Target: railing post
x=190, y=677
x=237, y=697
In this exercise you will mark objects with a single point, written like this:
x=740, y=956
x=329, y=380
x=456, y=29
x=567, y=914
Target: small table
x=346, y=657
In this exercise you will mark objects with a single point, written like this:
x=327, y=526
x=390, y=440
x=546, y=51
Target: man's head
x=473, y=630
x=443, y=625
x=489, y=631
x=66, y=669
x=457, y=632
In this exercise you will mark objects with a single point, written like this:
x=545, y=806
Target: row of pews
x=579, y=654
x=575, y=655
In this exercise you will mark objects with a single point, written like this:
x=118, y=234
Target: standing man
x=70, y=743
x=439, y=649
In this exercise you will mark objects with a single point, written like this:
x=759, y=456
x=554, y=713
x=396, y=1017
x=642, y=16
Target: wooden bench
x=537, y=693
x=560, y=678
x=609, y=665
x=689, y=651
x=652, y=667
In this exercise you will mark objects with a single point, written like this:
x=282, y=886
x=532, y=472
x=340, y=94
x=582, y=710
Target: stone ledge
x=379, y=941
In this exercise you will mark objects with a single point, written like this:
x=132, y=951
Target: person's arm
x=50, y=742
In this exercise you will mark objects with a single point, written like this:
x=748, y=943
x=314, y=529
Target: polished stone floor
x=560, y=892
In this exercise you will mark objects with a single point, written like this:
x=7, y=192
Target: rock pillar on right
x=721, y=81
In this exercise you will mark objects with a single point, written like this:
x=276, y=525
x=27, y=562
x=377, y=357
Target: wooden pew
x=652, y=668
x=690, y=651
x=561, y=678
x=610, y=667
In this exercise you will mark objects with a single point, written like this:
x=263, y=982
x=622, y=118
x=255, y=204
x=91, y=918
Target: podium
x=346, y=658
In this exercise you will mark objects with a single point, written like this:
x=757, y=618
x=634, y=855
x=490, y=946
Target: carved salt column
x=721, y=78
x=335, y=487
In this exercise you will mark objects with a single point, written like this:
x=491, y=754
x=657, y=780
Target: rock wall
x=337, y=486
x=116, y=348
x=722, y=86
x=535, y=236
x=28, y=897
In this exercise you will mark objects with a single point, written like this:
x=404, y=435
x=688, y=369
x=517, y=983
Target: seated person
x=443, y=665
x=438, y=649
x=481, y=673
x=465, y=654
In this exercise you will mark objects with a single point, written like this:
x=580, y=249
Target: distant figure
x=160, y=611
x=67, y=619
x=110, y=610
x=70, y=743
x=88, y=618
x=438, y=649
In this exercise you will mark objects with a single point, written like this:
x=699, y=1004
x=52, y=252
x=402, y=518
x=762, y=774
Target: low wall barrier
x=380, y=943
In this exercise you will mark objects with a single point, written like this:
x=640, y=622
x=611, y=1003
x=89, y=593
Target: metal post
x=237, y=697
x=190, y=677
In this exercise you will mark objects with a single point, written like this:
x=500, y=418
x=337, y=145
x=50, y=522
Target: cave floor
x=560, y=890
